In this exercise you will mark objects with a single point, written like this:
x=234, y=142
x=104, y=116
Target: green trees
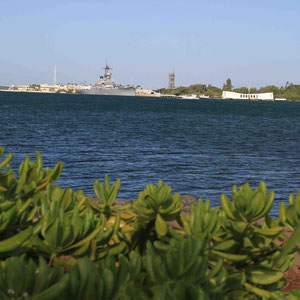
x=290, y=91
x=198, y=89
x=245, y=90
x=242, y=90
x=227, y=86
x=56, y=243
x=268, y=89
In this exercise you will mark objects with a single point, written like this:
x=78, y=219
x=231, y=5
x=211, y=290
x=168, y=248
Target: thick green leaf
x=262, y=276
x=161, y=226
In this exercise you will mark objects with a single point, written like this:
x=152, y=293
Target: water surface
x=199, y=147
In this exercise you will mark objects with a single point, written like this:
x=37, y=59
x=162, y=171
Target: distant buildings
x=54, y=88
x=238, y=96
x=171, y=81
x=77, y=88
x=146, y=93
x=45, y=88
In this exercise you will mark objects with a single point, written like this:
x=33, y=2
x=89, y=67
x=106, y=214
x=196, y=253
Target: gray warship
x=106, y=86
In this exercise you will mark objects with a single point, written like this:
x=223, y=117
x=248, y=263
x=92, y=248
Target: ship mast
x=107, y=71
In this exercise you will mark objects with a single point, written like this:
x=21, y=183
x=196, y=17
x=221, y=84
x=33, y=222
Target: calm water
x=200, y=147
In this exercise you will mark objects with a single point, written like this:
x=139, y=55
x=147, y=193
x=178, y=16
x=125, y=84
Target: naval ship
x=106, y=86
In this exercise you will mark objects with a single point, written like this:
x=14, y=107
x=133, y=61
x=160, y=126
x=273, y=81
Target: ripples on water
x=199, y=147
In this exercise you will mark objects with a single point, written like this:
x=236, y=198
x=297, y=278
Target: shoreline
x=156, y=97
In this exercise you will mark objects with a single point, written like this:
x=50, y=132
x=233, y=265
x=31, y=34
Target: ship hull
x=112, y=92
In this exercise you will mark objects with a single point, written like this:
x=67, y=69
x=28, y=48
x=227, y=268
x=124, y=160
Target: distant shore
x=152, y=96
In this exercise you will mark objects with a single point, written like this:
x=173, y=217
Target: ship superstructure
x=106, y=86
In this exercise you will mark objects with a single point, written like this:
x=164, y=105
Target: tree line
x=290, y=91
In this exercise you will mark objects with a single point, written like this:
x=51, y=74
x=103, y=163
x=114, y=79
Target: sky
x=203, y=41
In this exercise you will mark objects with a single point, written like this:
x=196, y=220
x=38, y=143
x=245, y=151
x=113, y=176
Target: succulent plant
x=78, y=248
x=22, y=279
x=290, y=216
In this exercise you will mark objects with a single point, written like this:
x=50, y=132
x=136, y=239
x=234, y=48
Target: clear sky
x=203, y=41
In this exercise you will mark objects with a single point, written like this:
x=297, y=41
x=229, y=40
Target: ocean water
x=199, y=147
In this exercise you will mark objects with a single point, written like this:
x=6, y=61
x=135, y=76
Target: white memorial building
x=236, y=96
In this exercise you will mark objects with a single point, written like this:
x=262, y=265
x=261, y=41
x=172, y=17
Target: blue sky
x=255, y=41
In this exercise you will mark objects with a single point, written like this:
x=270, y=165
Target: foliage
x=56, y=243
x=245, y=90
x=38, y=281
x=227, y=86
x=199, y=89
x=290, y=91
x=242, y=90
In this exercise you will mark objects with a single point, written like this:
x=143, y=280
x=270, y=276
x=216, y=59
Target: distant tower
x=172, y=81
x=54, y=75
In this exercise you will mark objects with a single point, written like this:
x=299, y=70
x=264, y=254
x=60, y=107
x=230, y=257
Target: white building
x=146, y=93
x=260, y=96
x=192, y=96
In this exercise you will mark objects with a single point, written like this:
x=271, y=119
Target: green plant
x=77, y=248
x=152, y=210
x=20, y=196
x=32, y=178
x=106, y=195
x=21, y=279
x=182, y=272
x=290, y=216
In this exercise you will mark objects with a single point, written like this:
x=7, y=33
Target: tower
x=171, y=81
x=54, y=75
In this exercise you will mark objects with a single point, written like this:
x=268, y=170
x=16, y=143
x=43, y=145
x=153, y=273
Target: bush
x=58, y=243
